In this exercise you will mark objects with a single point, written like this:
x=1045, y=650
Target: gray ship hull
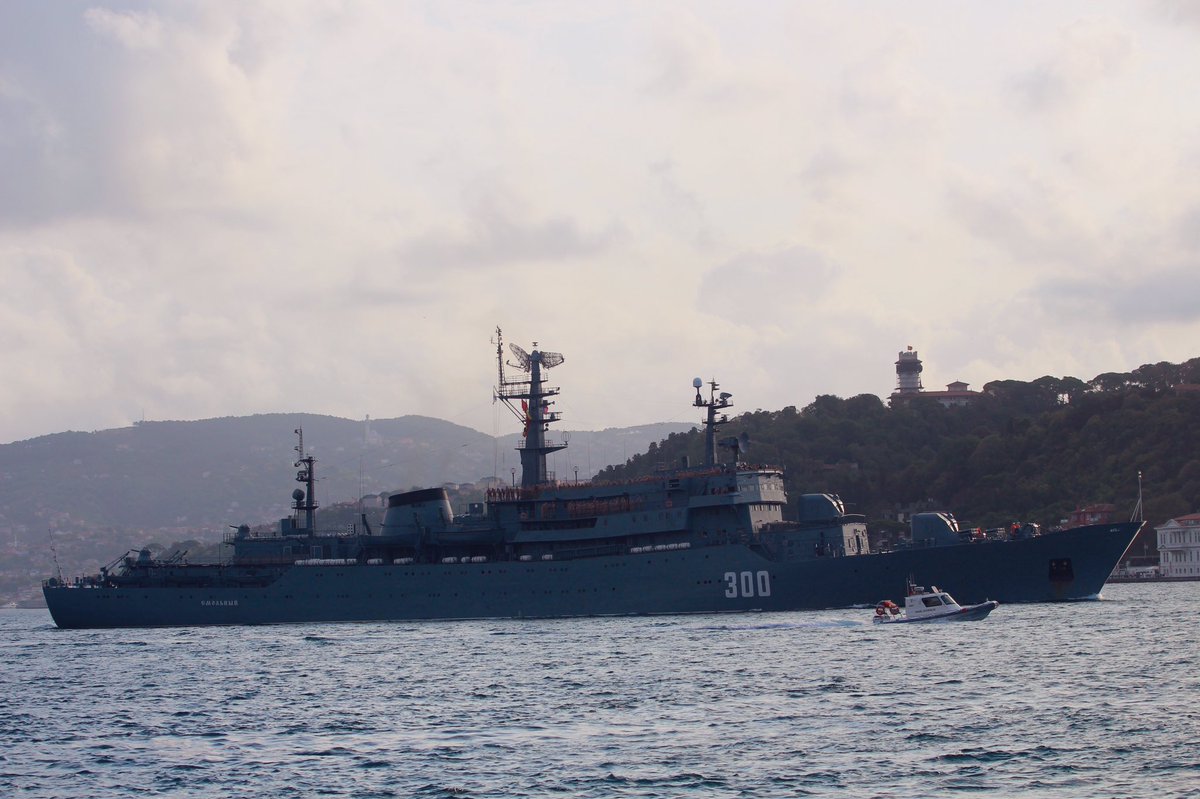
x=1059, y=566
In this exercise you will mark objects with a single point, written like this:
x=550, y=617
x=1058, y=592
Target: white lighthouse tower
x=908, y=373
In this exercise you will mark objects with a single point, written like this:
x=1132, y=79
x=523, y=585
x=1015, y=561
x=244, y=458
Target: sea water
x=1087, y=699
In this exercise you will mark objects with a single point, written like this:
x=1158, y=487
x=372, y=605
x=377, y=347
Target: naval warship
x=704, y=538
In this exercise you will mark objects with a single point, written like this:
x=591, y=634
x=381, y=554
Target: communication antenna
x=305, y=499
x=54, y=554
x=1137, y=509
x=715, y=402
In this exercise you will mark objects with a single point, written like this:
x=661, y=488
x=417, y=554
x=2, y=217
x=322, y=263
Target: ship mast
x=714, y=403
x=306, y=500
x=1137, y=509
x=528, y=399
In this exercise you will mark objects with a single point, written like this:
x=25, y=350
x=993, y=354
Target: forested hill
x=203, y=475
x=1031, y=451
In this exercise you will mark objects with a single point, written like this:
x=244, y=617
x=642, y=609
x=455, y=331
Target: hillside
x=217, y=471
x=93, y=495
x=1030, y=451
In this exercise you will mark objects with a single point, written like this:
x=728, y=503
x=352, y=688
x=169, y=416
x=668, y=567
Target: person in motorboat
x=886, y=608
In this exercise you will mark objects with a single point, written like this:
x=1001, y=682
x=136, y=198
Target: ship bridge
x=764, y=484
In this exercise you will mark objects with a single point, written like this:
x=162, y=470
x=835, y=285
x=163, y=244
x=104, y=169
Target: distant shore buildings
x=1177, y=558
x=1091, y=514
x=908, y=384
x=1179, y=547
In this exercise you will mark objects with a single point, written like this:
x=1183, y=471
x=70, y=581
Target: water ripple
x=1078, y=700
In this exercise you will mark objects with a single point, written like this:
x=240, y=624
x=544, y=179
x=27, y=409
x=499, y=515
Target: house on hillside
x=1179, y=547
x=956, y=393
x=1091, y=514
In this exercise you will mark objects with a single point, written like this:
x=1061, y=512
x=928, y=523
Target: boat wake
x=832, y=624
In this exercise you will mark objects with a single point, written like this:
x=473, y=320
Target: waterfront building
x=1179, y=546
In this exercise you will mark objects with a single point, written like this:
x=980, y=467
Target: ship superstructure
x=692, y=539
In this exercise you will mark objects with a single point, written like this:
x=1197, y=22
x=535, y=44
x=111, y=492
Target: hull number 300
x=747, y=584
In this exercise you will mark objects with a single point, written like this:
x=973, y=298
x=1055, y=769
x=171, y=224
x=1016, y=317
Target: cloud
x=884, y=83
x=493, y=235
x=1187, y=231
x=133, y=30
x=825, y=171
x=1184, y=11
x=224, y=208
x=683, y=206
x=756, y=289
x=1021, y=218
x=1145, y=297
x=146, y=116
x=1088, y=53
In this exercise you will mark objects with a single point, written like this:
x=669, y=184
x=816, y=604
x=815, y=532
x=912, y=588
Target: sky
x=223, y=208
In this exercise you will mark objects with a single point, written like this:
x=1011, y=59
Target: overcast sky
x=225, y=208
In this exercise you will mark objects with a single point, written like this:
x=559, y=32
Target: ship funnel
x=936, y=528
x=414, y=514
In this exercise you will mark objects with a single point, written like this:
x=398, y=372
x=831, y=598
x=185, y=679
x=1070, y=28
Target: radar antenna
x=523, y=360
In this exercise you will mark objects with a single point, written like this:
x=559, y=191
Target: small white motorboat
x=932, y=605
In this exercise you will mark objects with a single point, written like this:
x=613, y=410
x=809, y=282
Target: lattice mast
x=529, y=400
